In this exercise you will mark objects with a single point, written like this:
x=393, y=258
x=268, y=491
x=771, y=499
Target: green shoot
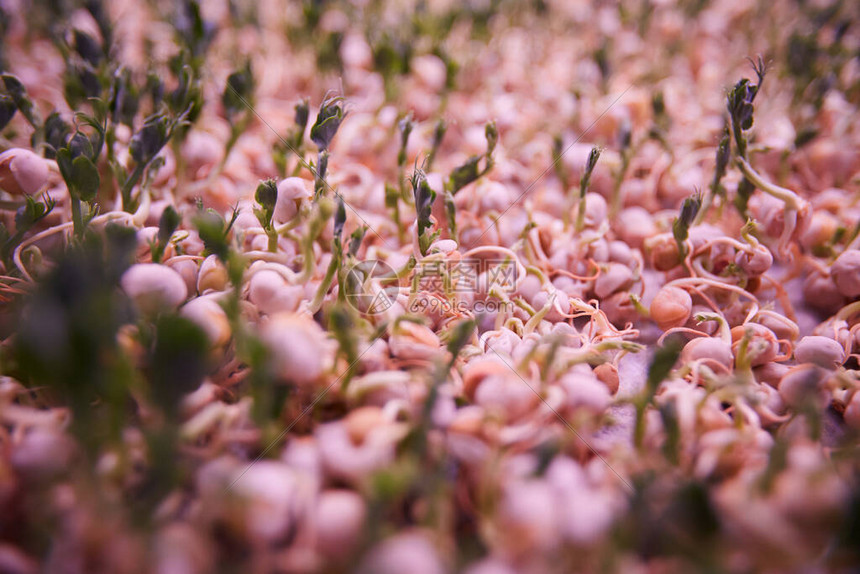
x=424, y=197
x=331, y=115
x=336, y=255
x=26, y=217
x=438, y=136
x=77, y=164
x=238, y=102
x=584, y=182
x=740, y=106
x=625, y=140
x=681, y=225
x=661, y=367
x=267, y=197
x=329, y=118
x=167, y=225
x=342, y=326
x=355, y=240
x=558, y=165
x=144, y=147
x=294, y=140
x=214, y=231
x=470, y=171
x=451, y=216
x=18, y=95
x=716, y=188
x=405, y=127
x=392, y=202
x=742, y=197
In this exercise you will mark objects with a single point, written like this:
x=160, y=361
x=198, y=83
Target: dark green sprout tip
x=424, y=197
x=723, y=153
x=267, y=194
x=460, y=335
x=167, y=223
x=303, y=111
x=328, y=121
x=690, y=208
x=664, y=359
x=681, y=226
x=491, y=132
x=625, y=134
x=80, y=174
x=7, y=110
x=339, y=217
x=590, y=164
x=152, y=136
x=239, y=90
x=593, y=156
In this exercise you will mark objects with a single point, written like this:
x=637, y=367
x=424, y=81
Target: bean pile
x=487, y=287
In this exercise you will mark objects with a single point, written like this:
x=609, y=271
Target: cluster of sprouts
x=422, y=287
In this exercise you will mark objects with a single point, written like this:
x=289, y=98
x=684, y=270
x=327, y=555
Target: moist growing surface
x=485, y=287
